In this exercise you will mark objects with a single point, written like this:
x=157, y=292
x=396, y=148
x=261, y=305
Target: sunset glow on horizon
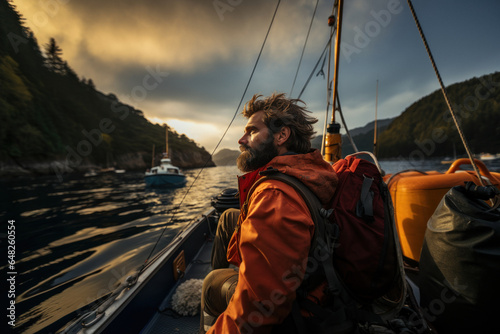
x=187, y=63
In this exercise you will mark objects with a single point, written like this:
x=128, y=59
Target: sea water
x=76, y=240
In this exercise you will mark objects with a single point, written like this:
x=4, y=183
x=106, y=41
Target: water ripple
x=79, y=238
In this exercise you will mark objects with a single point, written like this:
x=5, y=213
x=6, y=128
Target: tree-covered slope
x=48, y=114
x=427, y=128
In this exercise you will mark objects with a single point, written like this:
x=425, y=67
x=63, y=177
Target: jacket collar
x=246, y=181
x=309, y=168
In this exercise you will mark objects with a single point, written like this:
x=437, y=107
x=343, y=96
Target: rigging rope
x=220, y=141
x=304, y=48
x=315, y=66
x=443, y=90
x=345, y=125
x=321, y=72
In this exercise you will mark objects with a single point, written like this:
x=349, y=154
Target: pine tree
x=53, y=60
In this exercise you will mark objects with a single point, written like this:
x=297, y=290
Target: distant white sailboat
x=488, y=157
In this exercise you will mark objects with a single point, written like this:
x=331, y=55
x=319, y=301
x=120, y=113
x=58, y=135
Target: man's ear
x=282, y=135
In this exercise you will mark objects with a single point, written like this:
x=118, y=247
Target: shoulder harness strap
x=325, y=233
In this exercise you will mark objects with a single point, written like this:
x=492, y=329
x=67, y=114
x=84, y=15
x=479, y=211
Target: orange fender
x=416, y=195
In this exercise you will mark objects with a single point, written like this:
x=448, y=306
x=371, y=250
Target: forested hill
x=52, y=120
x=426, y=129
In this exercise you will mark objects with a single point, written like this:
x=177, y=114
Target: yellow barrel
x=416, y=195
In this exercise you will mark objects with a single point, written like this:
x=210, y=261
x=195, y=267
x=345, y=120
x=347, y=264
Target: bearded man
x=268, y=241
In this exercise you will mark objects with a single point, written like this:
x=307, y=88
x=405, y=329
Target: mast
x=166, y=141
x=153, y=157
x=333, y=141
x=375, y=131
x=331, y=24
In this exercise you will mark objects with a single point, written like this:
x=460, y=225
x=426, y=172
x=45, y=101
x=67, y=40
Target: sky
x=187, y=63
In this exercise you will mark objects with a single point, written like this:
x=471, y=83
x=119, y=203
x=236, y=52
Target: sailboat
x=143, y=302
x=166, y=174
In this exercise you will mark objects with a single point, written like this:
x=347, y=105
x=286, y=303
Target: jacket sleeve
x=274, y=245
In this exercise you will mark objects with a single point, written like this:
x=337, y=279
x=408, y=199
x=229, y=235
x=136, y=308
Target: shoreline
x=61, y=166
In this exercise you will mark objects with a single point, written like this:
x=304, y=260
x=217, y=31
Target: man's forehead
x=256, y=119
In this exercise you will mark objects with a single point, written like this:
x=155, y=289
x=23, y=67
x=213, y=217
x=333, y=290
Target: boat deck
x=167, y=321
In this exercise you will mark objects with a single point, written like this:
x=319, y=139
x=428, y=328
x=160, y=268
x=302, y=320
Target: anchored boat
x=166, y=174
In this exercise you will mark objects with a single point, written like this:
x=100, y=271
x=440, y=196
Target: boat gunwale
x=151, y=268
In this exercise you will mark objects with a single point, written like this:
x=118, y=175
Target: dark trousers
x=220, y=283
x=225, y=229
x=218, y=288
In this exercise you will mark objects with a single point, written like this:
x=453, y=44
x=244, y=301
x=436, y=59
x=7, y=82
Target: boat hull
x=134, y=307
x=165, y=180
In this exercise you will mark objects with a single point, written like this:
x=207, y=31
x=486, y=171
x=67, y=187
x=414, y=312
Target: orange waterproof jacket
x=271, y=244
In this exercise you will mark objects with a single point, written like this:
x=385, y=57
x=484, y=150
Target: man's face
x=257, y=144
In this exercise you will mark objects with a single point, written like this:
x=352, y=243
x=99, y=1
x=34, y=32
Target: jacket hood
x=310, y=168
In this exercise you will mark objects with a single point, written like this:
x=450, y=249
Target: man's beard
x=251, y=159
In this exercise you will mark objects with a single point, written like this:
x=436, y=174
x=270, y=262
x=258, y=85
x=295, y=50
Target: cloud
x=209, y=53
x=187, y=35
